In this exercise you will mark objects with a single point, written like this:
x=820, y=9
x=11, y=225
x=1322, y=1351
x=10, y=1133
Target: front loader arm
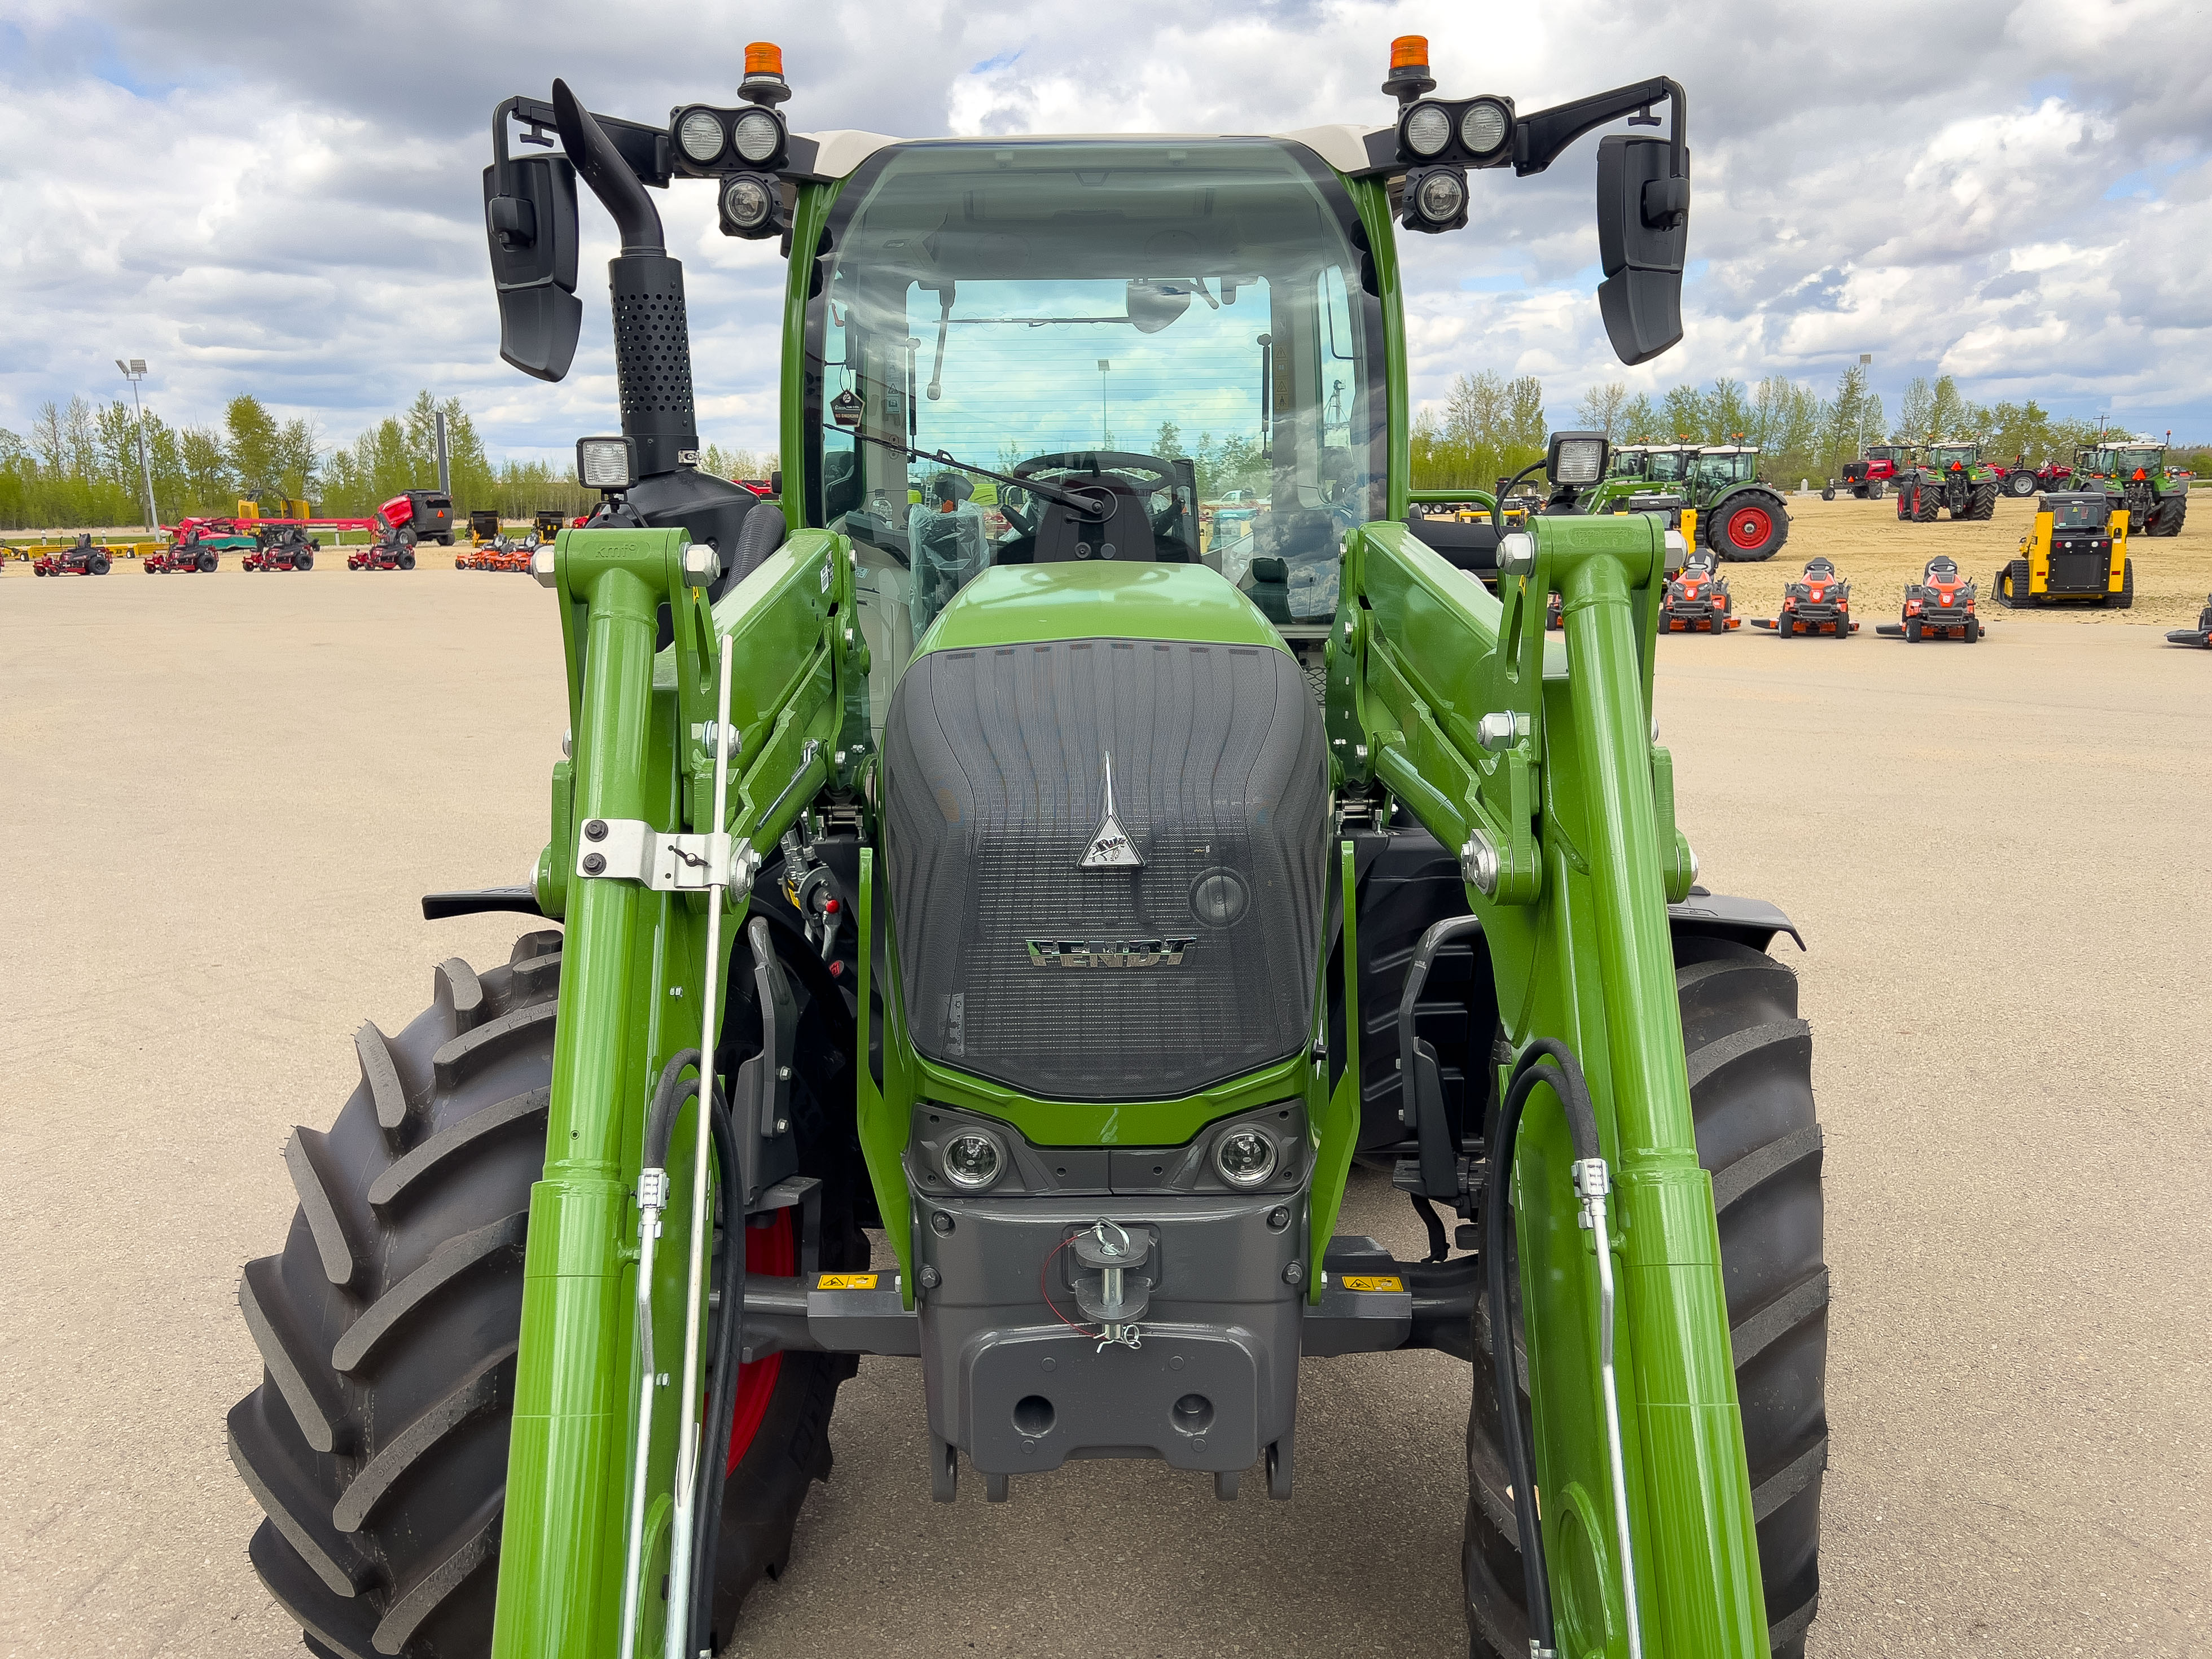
x=1535, y=758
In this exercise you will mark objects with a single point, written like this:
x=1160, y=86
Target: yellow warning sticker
x=1372, y=1282
x=846, y=1282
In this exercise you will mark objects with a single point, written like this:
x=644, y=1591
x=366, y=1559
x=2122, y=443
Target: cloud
x=285, y=199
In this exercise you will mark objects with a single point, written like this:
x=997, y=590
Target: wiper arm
x=1092, y=504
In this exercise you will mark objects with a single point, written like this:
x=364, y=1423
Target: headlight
x=1440, y=196
x=1581, y=460
x=746, y=202
x=700, y=133
x=604, y=462
x=1428, y=129
x=1482, y=128
x=972, y=1160
x=1245, y=1157
x=757, y=135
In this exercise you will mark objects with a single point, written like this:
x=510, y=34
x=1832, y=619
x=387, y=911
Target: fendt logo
x=1106, y=952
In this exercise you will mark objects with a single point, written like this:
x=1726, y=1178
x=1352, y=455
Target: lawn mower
x=83, y=558
x=391, y=551
x=2199, y=635
x=1080, y=942
x=1819, y=602
x=1940, y=606
x=1869, y=477
x=186, y=555
x=2133, y=473
x=1697, y=599
x=1954, y=476
x=2075, y=550
x=287, y=547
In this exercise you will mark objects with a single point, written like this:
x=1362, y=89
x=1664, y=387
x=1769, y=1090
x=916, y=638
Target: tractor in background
x=2022, y=480
x=1871, y=476
x=1169, y=904
x=1953, y=476
x=2076, y=549
x=2133, y=473
x=1740, y=516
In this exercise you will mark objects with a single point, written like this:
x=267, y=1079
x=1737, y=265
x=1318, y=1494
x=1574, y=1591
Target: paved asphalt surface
x=221, y=799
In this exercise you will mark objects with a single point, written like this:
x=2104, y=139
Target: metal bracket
x=630, y=849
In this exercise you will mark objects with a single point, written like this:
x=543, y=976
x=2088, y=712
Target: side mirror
x=1643, y=230
x=530, y=221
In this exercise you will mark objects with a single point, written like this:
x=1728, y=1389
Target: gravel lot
x=223, y=796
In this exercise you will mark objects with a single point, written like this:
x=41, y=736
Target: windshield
x=1627, y=463
x=1883, y=453
x=1726, y=469
x=2138, y=461
x=1187, y=318
x=2078, y=512
x=1666, y=466
x=1958, y=455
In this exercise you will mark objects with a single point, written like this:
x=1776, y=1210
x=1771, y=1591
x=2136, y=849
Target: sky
x=285, y=199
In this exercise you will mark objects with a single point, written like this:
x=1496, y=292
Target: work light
x=1435, y=199
x=1428, y=129
x=700, y=132
x=749, y=203
x=1576, y=457
x=758, y=135
x=604, y=463
x=1483, y=128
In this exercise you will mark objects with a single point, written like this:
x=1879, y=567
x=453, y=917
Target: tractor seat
x=1467, y=546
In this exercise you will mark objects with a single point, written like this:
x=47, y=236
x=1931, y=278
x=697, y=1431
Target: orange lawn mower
x=1819, y=602
x=1939, y=606
x=1698, y=600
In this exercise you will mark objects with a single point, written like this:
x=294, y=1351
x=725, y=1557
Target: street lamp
x=134, y=370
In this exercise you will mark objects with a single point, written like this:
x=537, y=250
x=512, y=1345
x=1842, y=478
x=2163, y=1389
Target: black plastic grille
x=652, y=354
x=994, y=778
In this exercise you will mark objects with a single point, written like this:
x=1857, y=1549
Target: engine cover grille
x=1114, y=983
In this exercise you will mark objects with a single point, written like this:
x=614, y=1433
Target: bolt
x=940, y=1223
x=596, y=830
x=1295, y=1273
x=1478, y=863
x=1278, y=1218
x=930, y=1278
x=593, y=864
x=701, y=566
x=782, y=1124
x=1174, y=1362
x=1052, y=1364
x=1501, y=729
x=783, y=1073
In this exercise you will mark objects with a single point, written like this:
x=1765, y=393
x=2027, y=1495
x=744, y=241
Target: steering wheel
x=1085, y=461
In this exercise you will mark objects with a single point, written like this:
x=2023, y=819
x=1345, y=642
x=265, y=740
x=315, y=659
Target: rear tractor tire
x=1981, y=502
x=1751, y=1091
x=2020, y=483
x=377, y=1441
x=2166, y=518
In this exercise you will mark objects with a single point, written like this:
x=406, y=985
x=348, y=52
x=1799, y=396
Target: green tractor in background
x=998, y=946
x=1953, y=474
x=2132, y=472
x=1740, y=516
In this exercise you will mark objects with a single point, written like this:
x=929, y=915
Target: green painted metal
x=1030, y=604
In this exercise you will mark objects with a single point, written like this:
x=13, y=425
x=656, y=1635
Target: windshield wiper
x=1092, y=504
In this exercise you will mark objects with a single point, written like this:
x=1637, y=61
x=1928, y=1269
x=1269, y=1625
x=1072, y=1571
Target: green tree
x=250, y=445
x=1639, y=421
x=1601, y=408
x=1685, y=416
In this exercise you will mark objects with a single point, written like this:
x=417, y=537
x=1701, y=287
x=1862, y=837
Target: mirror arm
x=1538, y=139
x=594, y=155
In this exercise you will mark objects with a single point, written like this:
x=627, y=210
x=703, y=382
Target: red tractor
x=288, y=549
x=1698, y=600
x=1871, y=476
x=84, y=559
x=1819, y=602
x=1940, y=606
x=2022, y=479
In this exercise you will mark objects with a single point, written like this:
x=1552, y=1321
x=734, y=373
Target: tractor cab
x=1955, y=458
x=1727, y=464
x=1670, y=465
x=1630, y=461
x=1080, y=380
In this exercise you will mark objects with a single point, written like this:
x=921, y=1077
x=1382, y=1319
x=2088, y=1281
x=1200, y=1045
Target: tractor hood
x=1106, y=798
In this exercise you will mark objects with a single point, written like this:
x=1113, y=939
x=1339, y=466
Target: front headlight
x=1245, y=1157
x=972, y=1159
x=1428, y=129
x=746, y=202
x=1440, y=196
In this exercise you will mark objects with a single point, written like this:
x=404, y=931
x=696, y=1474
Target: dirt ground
x=221, y=799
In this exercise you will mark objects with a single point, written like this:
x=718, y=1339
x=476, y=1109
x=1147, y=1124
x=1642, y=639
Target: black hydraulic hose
x=668, y=1098
x=722, y=1395
x=593, y=154
x=1543, y=1061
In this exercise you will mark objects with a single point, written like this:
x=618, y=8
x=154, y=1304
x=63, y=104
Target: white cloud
x=284, y=199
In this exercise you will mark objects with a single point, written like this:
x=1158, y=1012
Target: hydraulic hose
x=1543, y=1061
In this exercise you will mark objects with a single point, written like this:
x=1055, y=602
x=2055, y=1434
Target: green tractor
x=1953, y=475
x=1740, y=517
x=996, y=946
x=2132, y=472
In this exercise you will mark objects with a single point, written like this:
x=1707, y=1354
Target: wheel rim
x=769, y=1250
x=1748, y=527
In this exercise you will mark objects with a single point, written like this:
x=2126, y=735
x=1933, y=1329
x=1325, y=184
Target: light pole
x=134, y=371
x=1105, y=439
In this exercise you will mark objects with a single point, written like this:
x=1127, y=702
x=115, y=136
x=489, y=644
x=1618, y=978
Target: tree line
x=1489, y=427
x=80, y=466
